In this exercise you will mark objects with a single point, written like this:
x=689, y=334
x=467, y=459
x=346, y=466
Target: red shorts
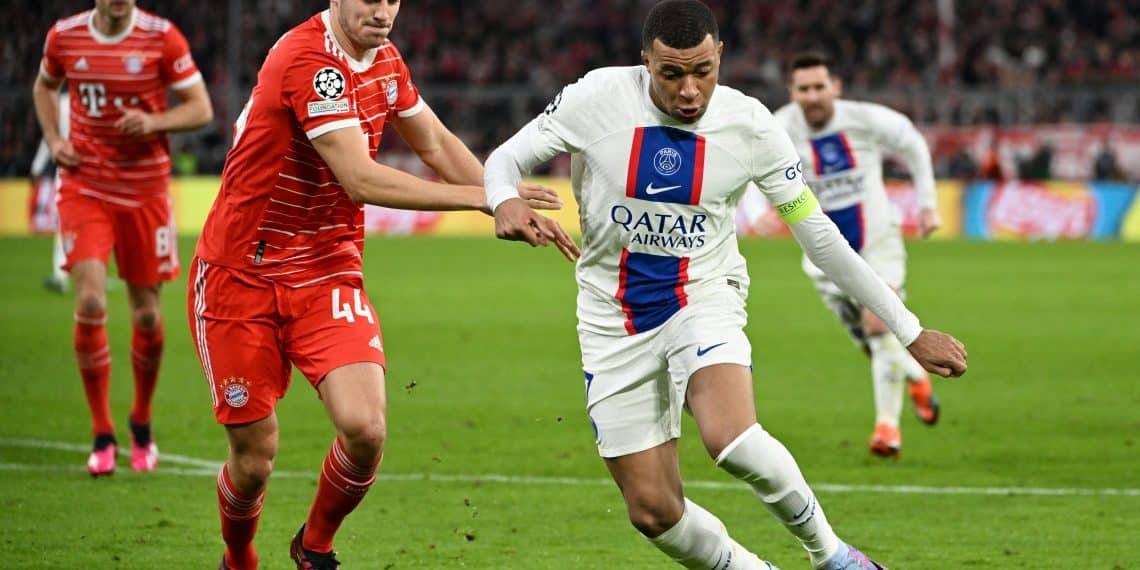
x=140, y=230
x=249, y=331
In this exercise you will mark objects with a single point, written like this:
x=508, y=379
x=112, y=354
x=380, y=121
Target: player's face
x=815, y=90
x=682, y=80
x=367, y=23
x=114, y=9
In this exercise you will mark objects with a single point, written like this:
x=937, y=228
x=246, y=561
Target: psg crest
x=329, y=83
x=667, y=161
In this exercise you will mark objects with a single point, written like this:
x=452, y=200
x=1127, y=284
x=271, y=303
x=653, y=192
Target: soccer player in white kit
x=660, y=158
x=841, y=144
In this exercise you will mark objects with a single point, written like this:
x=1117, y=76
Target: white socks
x=758, y=459
x=887, y=372
x=699, y=540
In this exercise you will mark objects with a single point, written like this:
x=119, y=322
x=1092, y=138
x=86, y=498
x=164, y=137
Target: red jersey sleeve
x=315, y=88
x=408, y=101
x=178, y=67
x=50, y=66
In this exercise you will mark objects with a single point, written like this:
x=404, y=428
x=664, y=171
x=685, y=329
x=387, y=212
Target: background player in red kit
x=119, y=61
x=277, y=275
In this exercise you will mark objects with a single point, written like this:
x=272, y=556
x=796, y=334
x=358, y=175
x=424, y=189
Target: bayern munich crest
x=667, y=161
x=235, y=391
x=392, y=92
x=329, y=83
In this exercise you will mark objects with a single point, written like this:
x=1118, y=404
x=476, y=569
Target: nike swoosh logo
x=702, y=352
x=649, y=189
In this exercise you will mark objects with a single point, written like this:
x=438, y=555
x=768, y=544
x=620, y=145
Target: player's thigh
x=233, y=323
x=710, y=361
x=331, y=326
x=630, y=401
x=353, y=395
x=86, y=230
x=146, y=248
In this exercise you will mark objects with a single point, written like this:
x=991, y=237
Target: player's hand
x=64, y=155
x=928, y=221
x=939, y=353
x=540, y=197
x=136, y=123
x=516, y=221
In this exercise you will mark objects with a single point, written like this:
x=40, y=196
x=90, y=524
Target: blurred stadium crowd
x=996, y=63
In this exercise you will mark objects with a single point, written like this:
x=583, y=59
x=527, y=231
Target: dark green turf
x=485, y=330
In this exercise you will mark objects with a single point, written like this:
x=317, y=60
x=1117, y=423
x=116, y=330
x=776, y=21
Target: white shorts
x=636, y=385
x=887, y=257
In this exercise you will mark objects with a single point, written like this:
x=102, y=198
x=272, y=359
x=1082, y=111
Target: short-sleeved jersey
x=106, y=76
x=281, y=213
x=843, y=164
x=657, y=196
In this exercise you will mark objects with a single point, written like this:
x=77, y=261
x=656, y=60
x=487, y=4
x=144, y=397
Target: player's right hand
x=516, y=221
x=64, y=155
x=939, y=353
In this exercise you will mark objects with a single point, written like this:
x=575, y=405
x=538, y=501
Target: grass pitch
x=484, y=382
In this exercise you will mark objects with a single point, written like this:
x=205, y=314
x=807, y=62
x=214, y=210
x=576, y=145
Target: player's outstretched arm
x=345, y=150
x=193, y=111
x=827, y=249
x=514, y=219
x=449, y=157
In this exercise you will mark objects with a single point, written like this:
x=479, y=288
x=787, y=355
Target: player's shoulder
x=304, y=43
x=605, y=79
x=72, y=22
x=865, y=112
x=151, y=22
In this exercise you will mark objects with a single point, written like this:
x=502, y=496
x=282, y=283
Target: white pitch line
x=195, y=467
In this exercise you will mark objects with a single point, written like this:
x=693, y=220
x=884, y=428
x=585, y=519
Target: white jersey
x=843, y=164
x=657, y=197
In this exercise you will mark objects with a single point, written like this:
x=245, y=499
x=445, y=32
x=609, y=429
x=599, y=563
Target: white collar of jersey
x=99, y=37
x=356, y=65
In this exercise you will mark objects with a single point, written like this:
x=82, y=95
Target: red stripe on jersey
x=634, y=156
x=698, y=176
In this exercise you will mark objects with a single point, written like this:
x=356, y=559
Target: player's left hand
x=928, y=221
x=136, y=123
x=939, y=353
x=540, y=197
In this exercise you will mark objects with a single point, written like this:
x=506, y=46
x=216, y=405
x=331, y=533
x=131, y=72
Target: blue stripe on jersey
x=666, y=165
x=832, y=154
x=850, y=223
x=651, y=289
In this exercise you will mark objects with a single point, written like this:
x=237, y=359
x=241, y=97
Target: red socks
x=239, y=522
x=146, y=353
x=94, y=357
x=342, y=486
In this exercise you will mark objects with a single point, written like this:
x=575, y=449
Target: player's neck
x=351, y=49
x=112, y=27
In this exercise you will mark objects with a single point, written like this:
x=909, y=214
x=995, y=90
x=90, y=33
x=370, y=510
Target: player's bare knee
x=364, y=440
x=652, y=514
x=146, y=318
x=90, y=302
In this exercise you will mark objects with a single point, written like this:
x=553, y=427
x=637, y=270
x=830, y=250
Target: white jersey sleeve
x=560, y=128
x=897, y=133
x=778, y=174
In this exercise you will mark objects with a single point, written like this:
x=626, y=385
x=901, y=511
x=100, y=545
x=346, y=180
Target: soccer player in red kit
x=277, y=281
x=119, y=62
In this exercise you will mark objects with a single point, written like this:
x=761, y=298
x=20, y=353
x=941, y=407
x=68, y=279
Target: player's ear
x=644, y=58
x=838, y=83
x=719, y=49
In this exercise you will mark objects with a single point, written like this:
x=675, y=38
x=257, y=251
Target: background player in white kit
x=661, y=156
x=841, y=144
x=45, y=187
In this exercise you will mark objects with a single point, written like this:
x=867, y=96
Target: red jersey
x=281, y=213
x=107, y=75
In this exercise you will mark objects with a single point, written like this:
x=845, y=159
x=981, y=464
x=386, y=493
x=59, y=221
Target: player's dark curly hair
x=679, y=24
x=808, y=59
